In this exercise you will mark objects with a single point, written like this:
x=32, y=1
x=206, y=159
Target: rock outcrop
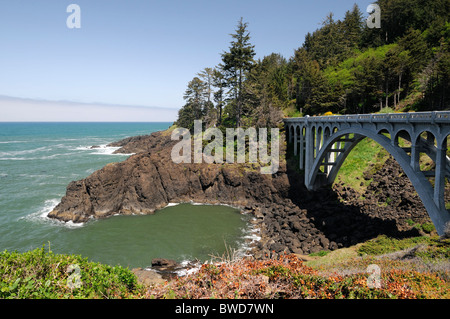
x=290, y=218
x=149, y=180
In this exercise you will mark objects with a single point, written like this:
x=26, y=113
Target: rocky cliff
x=289, y=217
x=149, y=180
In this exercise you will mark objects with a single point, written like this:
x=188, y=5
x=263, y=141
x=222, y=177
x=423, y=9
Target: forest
x=343, y=67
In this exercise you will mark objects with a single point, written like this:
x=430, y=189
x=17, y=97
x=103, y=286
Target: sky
x=132, y=60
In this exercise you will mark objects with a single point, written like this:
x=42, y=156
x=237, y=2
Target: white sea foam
x=12, y=142
x=188, y=267
x=44, y=211
x=49, y=206
x=41, y=216
x=23, y=152
x=71, y=224
x=14, y=158
x=33, y=158
x=35, y=175
x=105, y=150
x=102, y=149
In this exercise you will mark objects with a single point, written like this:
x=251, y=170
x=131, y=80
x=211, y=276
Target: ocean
x=39, y=160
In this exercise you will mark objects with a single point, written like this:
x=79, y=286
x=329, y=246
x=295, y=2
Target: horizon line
x=39, y=100
x=143, y=122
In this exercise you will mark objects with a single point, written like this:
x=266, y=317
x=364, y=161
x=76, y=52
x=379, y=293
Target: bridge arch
x=291, y=134
x=424, y=189
x=325, y=142
x=404, y=134
x=359, y=135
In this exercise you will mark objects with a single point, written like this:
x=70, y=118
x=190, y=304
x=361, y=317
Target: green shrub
x=383, y=245
x=428, y=227
x=45, y=275
x=320, y=253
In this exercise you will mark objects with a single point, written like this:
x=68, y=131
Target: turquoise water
x=39, y=160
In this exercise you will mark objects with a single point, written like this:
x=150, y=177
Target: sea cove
x=38, y=160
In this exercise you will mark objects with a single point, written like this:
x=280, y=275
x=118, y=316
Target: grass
x=366, y=154
x=383, y=244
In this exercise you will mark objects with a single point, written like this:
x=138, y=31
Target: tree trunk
x=220, y=113
x=387, y=94
x=238, y=115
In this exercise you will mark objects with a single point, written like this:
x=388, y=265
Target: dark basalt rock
x=148, y=181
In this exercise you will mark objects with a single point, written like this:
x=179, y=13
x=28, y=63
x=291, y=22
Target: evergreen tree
x=352, y=27
x=210, y=113
x=196, y=106
x=236, y=63
x=343, y=67
x=219, y=82
x=206, y=75
x=196, y=93
x=266, y=91
x=416, y=45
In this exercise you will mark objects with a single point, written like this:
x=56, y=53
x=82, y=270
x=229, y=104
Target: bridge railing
x=413, y=117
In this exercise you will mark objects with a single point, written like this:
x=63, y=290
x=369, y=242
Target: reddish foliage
x=289, y=277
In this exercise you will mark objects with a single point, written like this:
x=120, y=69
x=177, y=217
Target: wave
x=24, y=152
x=35, y=175
x=41, y=216
x=33, y=158
x=188, y=267
x=102, y=149
x=14, y=158
x=12, y=142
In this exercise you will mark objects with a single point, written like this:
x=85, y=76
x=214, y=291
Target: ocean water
x=39, y=160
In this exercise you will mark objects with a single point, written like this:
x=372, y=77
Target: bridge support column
x=295, y=142
x=439, y=179
x=415, y=157
x=318, y=140
x=309, y=154
x=302, y=150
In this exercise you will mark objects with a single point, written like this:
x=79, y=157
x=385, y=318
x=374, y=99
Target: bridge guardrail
x=416, y=117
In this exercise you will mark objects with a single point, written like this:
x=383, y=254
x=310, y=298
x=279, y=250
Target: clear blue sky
x=138, y=53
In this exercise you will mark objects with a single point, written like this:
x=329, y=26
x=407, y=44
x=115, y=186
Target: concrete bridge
x=324, y=142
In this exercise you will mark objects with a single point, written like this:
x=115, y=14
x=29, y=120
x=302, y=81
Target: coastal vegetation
x=42, y=274
x=410, y=268
x=325, y=277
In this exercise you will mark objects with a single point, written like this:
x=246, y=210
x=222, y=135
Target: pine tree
x=352, y=27
x=206, y=75
x=219, y=82
x=236, y=64
x=195, y=107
